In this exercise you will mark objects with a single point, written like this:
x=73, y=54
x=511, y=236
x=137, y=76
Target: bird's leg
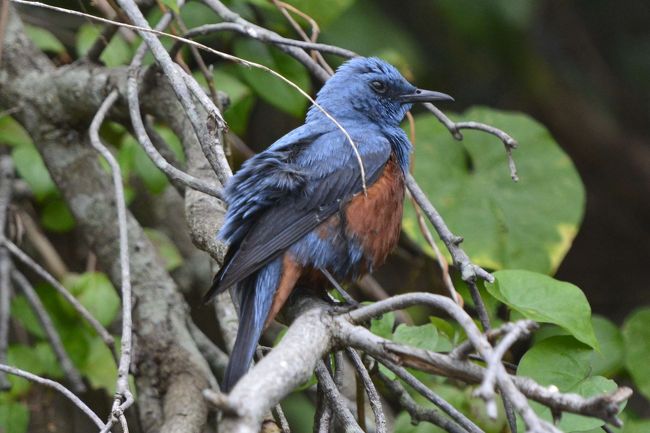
x=350, y=302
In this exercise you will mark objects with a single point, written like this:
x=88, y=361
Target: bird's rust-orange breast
x=375, y=219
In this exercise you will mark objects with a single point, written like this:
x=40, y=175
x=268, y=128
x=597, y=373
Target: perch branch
x=455, y=128
x=28, y=261
x=69, y=370
x=56, y=386
x=6, y=182
x=123, y=396
x=335, y=400
x=373, y=396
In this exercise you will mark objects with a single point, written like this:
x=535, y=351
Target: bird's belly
x=359, y=237
x=374, y=220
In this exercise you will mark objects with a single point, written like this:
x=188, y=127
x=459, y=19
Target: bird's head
x=367, y=88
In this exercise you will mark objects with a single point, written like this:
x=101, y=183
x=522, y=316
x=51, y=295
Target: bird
x=304, y=206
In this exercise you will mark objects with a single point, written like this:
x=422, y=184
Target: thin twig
x=504, y=380
x=468, y=270
x=336, y=400
x=174, y=174
x=315, y=30
x=514, y=332
x=419, y=413
x=346, y=296
x=171, y=72
x=430, y=395
x=373, y=396
x=123, y=396
x=56, y=386
x=207, y=29
x=281, y=419
x=69, y=370
x=371, y=288
x=6, y=182
x=323, y=415
x=28, y=261
x=455, y=128
x=51, y=258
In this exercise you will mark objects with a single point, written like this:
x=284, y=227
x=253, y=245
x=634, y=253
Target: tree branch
x=56, y=386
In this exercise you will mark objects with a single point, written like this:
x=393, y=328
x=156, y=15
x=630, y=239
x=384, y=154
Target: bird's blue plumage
x=283, y=200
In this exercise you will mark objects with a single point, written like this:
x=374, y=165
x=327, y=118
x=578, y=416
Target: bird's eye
x=378, y=86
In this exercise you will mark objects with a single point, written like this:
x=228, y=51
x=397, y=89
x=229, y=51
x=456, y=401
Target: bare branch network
x=175, y=366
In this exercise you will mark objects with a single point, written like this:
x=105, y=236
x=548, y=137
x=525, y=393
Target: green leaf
x=95, y=292
x=116, y=53
x=270, y=88
x=423, y=337
x=636, y=334
x=39, y=359
x=172, y=141
x=404, y=424
x=610, y=359
x=22, y=311
x=56, y=216
x=383, y=326
x=13, y=133
x=195, y=14
x=636, y=426
x=154, y=179
x=529, y=224
x=166, y=248
x=100, y=368
x=323, y=12
x=44, y=39
x=171, y=4
x=14, y=418
x=564, y=362
x=31, y=168
x=544, y=299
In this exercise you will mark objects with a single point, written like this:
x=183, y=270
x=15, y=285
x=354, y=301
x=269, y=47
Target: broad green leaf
x=610, y=359
x=270, y=88
x=95, y=292
x=544, y=299
x=56, y=216
x=116, y=53
x=22, y=311
x=564, y=362
x=13, y=133
x=100, y=368
x=529, y=224
x=636, y=334
x=166, y=248
x=423, y=337
x=383, y=326
x=44, y=39
x=31, y=168
x=14, y=418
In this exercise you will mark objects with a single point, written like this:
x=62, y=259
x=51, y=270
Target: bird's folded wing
x=293, y=216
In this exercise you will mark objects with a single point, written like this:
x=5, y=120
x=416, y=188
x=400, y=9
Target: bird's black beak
x=424, y=96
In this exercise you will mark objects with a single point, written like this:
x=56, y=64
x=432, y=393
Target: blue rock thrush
x=299, y=206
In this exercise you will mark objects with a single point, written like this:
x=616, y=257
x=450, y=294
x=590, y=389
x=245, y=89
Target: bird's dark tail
x=255, y=299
